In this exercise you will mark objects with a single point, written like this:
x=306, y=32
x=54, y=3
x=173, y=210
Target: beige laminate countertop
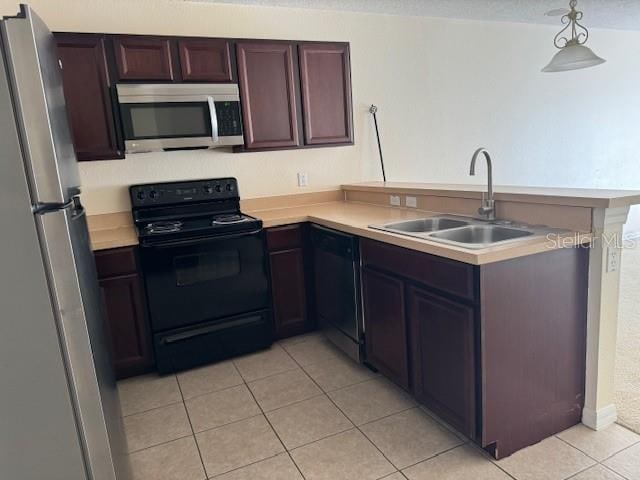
x=577, y=197
x=112, y=230
x=355, y=218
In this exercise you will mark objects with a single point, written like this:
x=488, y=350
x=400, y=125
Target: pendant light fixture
x=573, y=54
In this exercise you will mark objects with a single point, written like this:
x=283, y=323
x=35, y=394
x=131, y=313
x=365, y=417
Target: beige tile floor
x=302, y=410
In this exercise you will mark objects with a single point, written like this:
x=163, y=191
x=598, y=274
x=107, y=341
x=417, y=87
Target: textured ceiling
x=620, y=14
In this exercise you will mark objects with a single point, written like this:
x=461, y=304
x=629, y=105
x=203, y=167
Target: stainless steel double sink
x=464, y=232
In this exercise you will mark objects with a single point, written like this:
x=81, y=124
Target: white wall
x=443, y=87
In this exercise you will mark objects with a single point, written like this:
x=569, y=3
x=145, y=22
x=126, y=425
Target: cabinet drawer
x=283, y=238
x=449, y=276
x=118, y=261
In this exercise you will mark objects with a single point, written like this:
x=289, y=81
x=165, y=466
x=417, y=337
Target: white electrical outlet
x=394, y=200
x=303, y=179
x=411, y=202
x=613, y=259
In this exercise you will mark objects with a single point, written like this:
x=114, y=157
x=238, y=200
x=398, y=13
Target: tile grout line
x=431, y=457
x=218, y=475
x=273, y=429
x=347, y=417
x=357, y=427
x=620, y=451
x=609, y=469
x=244, y=380
x=490, y=459
x=579, y=450
x=195, y=440
x=153, y=408
x=375, y=377
x=159, y=444
x=212, y=391
x=579, y=472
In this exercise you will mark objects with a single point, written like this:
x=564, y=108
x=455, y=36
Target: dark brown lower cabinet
x=290, y=277
x=289, y=293
x=385, y=325
x=443, y=357
x=497, y=350
x=127, y=325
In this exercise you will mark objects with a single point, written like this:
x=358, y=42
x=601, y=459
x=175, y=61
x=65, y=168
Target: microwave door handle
x=214, y=119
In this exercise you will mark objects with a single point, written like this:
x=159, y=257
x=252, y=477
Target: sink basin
x=422, y=225
x=480, y=236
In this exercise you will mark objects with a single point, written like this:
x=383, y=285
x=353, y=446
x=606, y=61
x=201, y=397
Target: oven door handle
x=193, y=241
x=214, y=119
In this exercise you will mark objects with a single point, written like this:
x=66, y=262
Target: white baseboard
x=599, y=419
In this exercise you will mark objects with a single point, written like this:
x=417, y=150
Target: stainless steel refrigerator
x=59, y=411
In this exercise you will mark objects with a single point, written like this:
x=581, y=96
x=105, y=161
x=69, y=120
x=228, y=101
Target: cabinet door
x=442, y=345
x=325, y=80
x=143, y=58
x=385, y=325
x=127, y=327
x=87, y=95
x=266, y=74
x=289, y=293
x=205, y=60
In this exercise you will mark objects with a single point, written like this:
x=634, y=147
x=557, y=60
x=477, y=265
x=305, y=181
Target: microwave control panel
x=229, y=122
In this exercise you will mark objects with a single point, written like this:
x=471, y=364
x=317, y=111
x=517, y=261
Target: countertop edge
x=553, y=196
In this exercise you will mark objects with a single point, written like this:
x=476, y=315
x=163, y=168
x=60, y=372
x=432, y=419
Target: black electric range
x=205, y=272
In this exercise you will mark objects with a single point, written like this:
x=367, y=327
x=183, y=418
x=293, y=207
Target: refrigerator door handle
x=52, y=207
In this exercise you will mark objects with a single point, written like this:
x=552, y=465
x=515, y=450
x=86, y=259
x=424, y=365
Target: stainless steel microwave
x=159, y=117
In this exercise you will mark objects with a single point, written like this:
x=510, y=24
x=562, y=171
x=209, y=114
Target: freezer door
x=36, y=83
x=74, y=287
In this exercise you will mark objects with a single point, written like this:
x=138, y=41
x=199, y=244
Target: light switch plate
x=613, y=259
x=411, y=202
x=394, y=200
x=303, y=179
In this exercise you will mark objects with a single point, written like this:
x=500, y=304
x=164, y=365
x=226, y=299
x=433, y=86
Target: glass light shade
x=573, y=57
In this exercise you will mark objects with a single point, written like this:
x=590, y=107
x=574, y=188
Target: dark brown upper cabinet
x=143, y=58
x=325, y=79
x=87, y=95
x=205, y=60
x=268, y=89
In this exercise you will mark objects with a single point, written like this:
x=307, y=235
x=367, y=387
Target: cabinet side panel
x=533, y=330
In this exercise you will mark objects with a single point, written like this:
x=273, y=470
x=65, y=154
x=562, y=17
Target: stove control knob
x=153, y=194
x=229, y=187
x=218, y=188
x=140, y=195
x=208, y=189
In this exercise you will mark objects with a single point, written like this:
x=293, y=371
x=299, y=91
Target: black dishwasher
x=337, y=278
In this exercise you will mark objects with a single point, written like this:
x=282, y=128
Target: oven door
x=189, y=282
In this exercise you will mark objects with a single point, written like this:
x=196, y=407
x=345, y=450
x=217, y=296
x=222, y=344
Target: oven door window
x=206, y=267
x=165, y=120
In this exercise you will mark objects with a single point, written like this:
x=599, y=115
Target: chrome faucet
x=487, y=209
